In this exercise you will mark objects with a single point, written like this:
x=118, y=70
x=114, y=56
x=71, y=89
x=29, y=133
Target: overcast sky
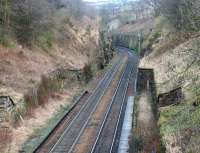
x=99, y=0
x=106, y=1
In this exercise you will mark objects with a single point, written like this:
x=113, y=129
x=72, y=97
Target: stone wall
x=172, y=97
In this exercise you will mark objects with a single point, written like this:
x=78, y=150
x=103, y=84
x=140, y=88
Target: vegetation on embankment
x=39, y=133
x=172, y=49
x=36, y=42
x=48, y=50
x=145, y=135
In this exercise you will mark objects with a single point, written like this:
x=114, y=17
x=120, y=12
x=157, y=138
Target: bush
x=4, y=40
x=45, y=40
x=87, y=73
x=100, y=63
x=68, y=22
x=88, y=30
x=156, y=35
x=136, y=143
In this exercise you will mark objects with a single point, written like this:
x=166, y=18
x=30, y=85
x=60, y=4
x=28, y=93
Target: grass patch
x=68, y=22
x=135, y=141
x=40, y=133
x=45, y=40
x=7, y=42
x=133, y=44
x=175, y=118
x=137, y=98
x=185, y=115
x=155, y=35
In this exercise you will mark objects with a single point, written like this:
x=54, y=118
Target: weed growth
x=45, y=40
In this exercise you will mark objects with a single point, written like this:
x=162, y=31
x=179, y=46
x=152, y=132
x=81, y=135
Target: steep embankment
x=174, y=56
x=42, y=78
x=21, y=68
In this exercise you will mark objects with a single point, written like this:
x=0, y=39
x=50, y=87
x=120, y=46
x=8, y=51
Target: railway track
x=130, y=92
x=84, y=143
x=54, y=135
x=113, y=117
x=72, y=127
x=106, y=137
x=66, y=136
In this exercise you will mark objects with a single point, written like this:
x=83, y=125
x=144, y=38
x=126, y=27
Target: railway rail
x=67, y=134
x=70, y=127
x=53, y=136
x=130, y=93
x=87, y=137
x=106, y=137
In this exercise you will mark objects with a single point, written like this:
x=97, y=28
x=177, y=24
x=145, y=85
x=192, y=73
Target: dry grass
x=24, y=75
x=22, y=68
x=5, y=138
x=171, y=42
x=145, y=135
x=170, y=58
x=40, y=117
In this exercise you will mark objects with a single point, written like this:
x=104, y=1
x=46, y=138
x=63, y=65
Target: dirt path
x=146, y=125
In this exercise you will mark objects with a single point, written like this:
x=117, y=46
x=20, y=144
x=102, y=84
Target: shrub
x=4, y=40
x=156, y=35
x=45, y=40
x=87, y=73
x=136, y=143
x=100, y=63
x=88, y=30
x=68, y=22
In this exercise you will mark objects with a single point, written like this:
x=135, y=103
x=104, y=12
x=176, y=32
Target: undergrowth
x=41, y=132
x=45, y=40
x=68, y=22
x=183, y=116
x=7, y=42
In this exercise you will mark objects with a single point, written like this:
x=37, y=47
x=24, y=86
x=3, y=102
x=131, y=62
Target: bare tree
x=5, y=11
x=28, y=19
x=183, y=14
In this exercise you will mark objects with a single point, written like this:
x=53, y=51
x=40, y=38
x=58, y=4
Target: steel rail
x=107, y=82
x=133, y=77
x=59, y=122
x=120, y=114
x=75, y=142
x=105, y=119
x=37, y=149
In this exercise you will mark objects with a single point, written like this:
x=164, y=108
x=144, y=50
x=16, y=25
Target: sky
x=101, y=2
x=104, y=1
x=98, y=0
